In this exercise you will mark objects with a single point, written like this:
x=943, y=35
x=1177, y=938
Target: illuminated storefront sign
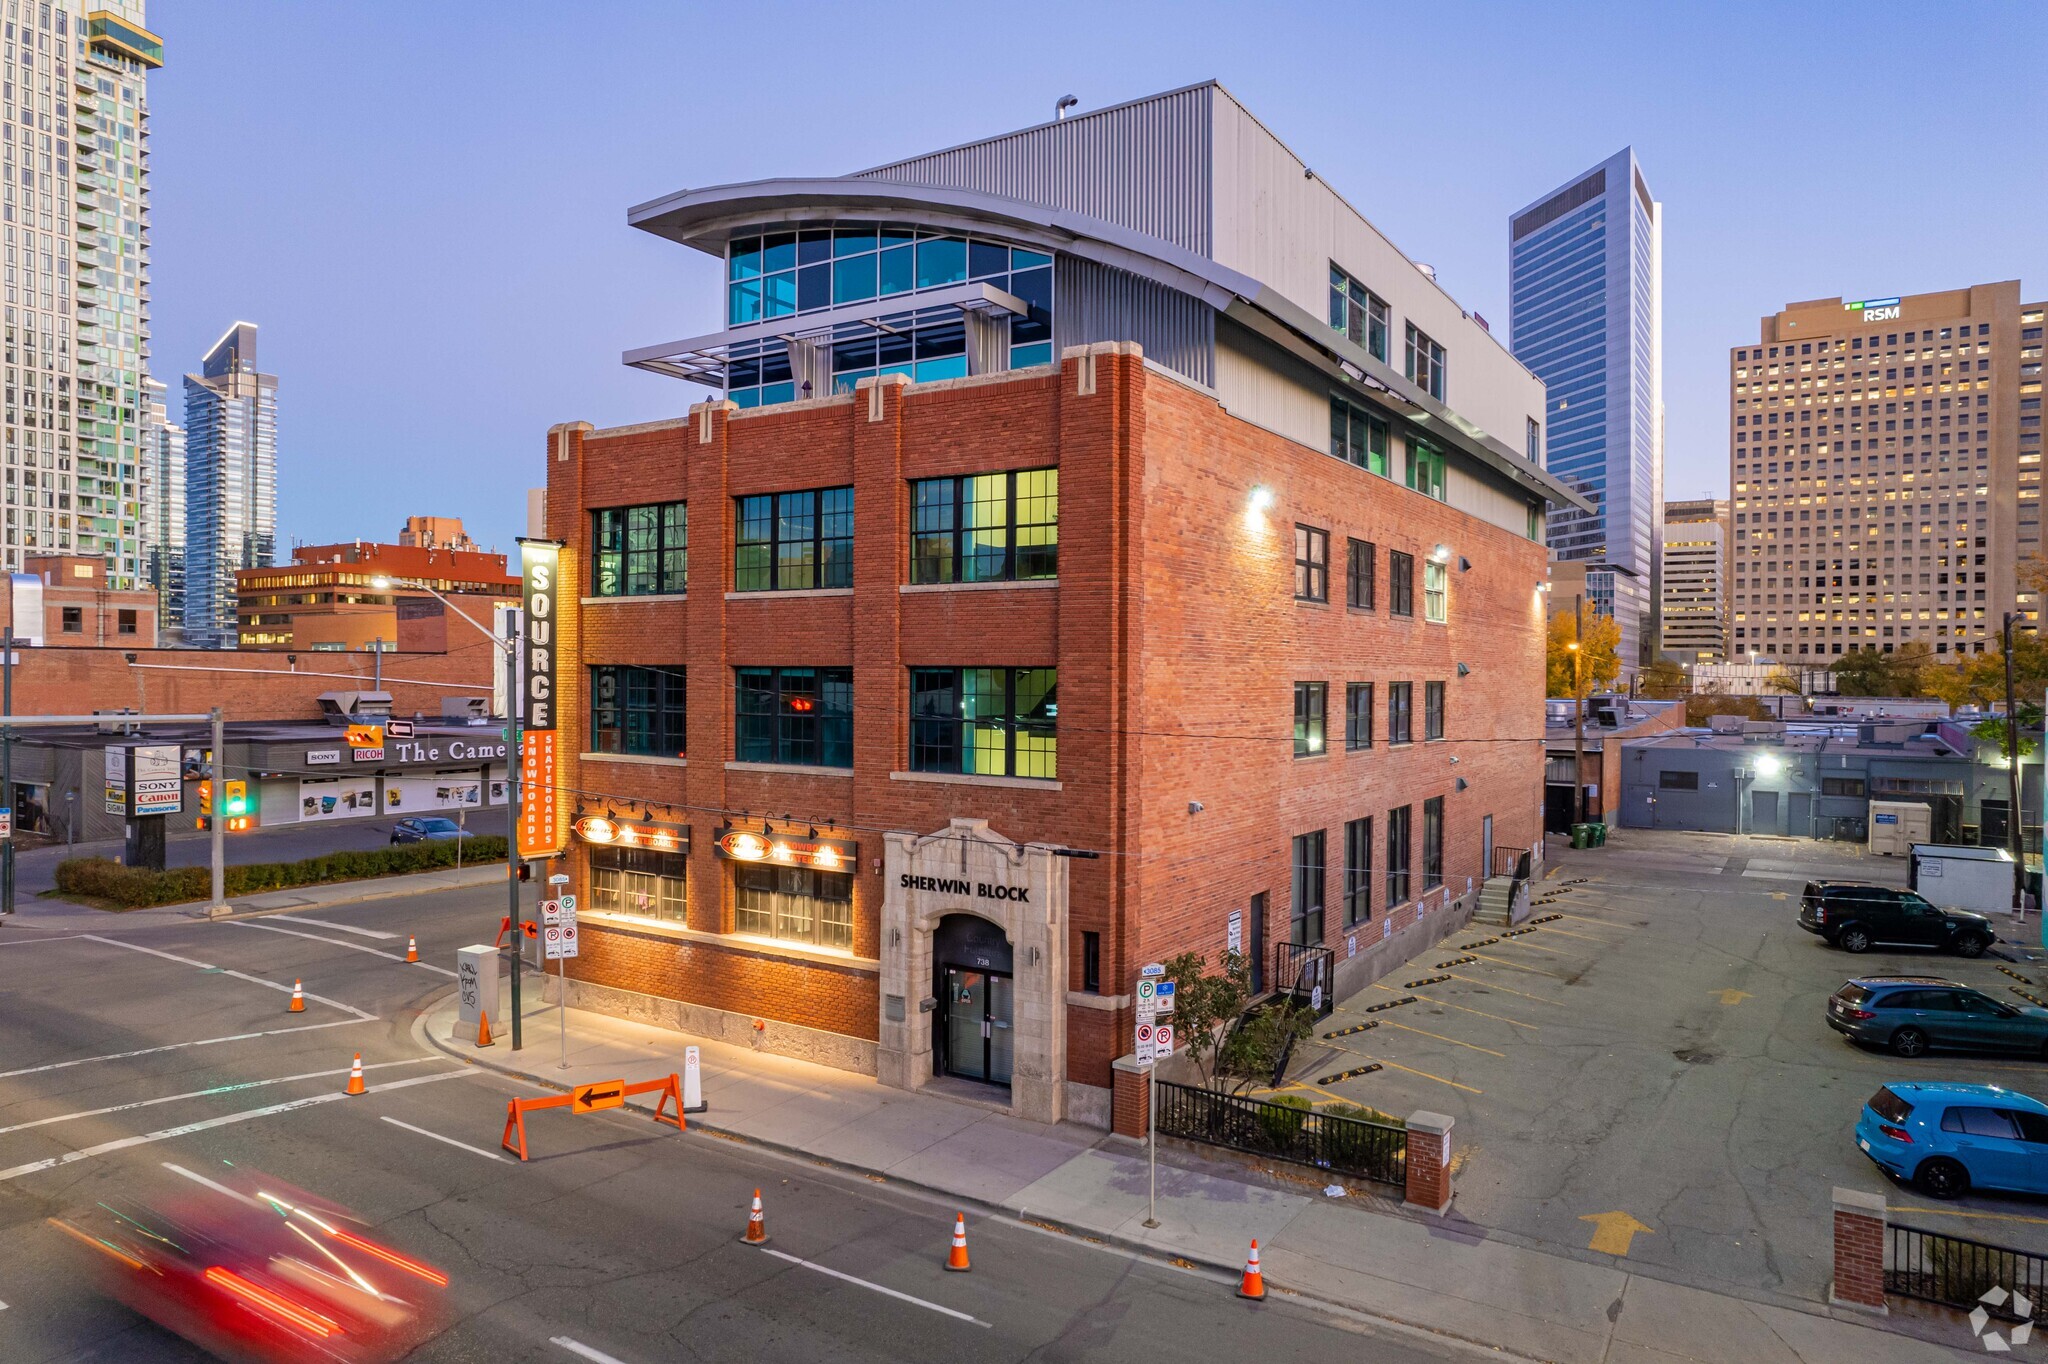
x=633, y=833
x=786, y=850
x=539, y=812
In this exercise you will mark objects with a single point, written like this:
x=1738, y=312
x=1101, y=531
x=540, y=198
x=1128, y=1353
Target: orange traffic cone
x=483, y=1029
x=355, y=1077
x=956, y=1263
x=298, y=1004
x=757, y=1230
x=1254, y=1285
x=412, y=948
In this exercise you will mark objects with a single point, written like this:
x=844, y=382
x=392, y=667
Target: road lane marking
x=1584, y=937
x=205, y=1093
x=1446, y=1004
x=336, y=942
x=577, y=1347
x=1515, y=965
x=180, y=1046
x=345, y=928
x=197, y=1178
x=1396, y=1065
x=474, y=1150
x=166, y=1134
x=1441, y=1038
x=1730, y=998
x=1614, y=1232
x=1496, y=985
x=875, y=1287
x=27, y=942
x=238, y=975
x=1980, y=1216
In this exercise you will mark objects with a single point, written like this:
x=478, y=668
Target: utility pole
x=1578, y=710
x=7, y=770
x=377, y=647
x=216, y=826
x=2015, y=845
x=512, y=742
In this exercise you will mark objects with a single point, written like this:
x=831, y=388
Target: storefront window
x=640, y=882
x=795, y=904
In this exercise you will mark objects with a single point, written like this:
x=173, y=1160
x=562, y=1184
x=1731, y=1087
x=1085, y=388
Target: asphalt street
x=159, y=1041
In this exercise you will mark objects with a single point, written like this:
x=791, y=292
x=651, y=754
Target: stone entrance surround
x=967, y=868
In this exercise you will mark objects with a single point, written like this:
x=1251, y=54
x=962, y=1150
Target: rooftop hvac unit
x=467, y=710
x=355, y=707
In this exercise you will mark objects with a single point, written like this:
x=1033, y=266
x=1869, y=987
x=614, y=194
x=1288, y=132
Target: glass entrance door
x=979, y=1039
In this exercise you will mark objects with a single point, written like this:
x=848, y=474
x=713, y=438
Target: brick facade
x=1173, y=624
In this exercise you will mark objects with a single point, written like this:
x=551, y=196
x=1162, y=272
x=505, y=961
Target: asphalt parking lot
x=1649, y=1073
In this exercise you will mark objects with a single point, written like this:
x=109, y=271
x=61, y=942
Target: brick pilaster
x=1429, y=1162
x=1130, y=1113
x=1859, y=1252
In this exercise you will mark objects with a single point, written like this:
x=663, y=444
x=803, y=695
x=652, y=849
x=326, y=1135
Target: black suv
x=1855, y=917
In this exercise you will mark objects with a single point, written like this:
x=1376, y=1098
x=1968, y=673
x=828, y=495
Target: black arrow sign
x=592, y=1097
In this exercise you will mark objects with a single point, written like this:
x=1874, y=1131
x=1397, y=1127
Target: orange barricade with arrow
x=591, y=1098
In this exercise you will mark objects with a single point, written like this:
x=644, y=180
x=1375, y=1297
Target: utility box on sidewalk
x=476, y=983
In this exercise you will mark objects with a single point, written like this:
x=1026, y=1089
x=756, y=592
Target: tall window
x=1432, y=842
x=1397, y=856
x=985, y=527
x=1310, y=698
x=1436, y=591
x=637, y=711
x=1359, y=313
x=1427, y=469
x=1432, y=710
x=1535, y=441
x=641, y=882
x=1357, y=871
x=800, y=716
x=1425, y=363
x=1358, y=437
x=795, y=904
x=1361, y=571
x=990, y=722
x=1400, y=707
x=640, y=551
x=1307, y=924
x=783, y=542
x=1400, y=583
x=1358, y=715
x=1311, y=564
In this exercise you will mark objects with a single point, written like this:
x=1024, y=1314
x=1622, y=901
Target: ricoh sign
x=1874, y=309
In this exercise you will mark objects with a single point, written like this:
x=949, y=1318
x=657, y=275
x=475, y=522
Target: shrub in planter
x=1280, y=1120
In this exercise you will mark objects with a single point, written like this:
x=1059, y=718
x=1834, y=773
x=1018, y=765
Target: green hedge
x=136, y=888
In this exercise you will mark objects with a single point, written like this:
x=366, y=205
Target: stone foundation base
x=718, y=1025
x=1088, y=1105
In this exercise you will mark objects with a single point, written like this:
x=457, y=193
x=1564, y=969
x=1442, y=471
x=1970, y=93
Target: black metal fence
x=1307, y=974
x=1510, y=862
x=1351, y=1146
x=1935, y=1267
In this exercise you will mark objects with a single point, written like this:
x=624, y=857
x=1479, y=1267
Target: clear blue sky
x=423, y=205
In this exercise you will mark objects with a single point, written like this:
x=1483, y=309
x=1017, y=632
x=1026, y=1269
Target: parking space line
x=180, y=1046
x=1515, y=965
x=336, y=942
x=1493, y=985
x=1441, y=1038
x=1980, y=1216
x=1396, y=1065
x=1524, y=942
x=1328, y=1097
x=238, y=975
x=206, y=1093
x=345, y=928
x=875, y=1287
x=1585, y=937
x=1446, y=1004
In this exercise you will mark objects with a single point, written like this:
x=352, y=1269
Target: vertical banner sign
x=536, y=710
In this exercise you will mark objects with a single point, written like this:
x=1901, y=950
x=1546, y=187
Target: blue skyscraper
x=1586, y=301
x=230, y=482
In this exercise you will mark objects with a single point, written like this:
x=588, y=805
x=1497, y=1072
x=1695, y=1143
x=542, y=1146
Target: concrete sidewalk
x=1365, y=1254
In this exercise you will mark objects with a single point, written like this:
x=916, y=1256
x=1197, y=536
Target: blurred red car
x=255, y=1270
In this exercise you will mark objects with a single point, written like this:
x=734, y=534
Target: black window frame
x=1358, y=835
x=1843, y=786
x=829, y=559
x=1361, y=575
x=1400, y=583
x=1670, y=779
x=1362, y=310
x=1311, y=563
x=935, y=517
x=1432, y=843
x=655, y=697
x=1400, y=713
x=786, y=745
x=1432, y=712
x=1358, y=726
x=1311, y=719
x=1305, y=917
x=939, y=721
x=72, y=621
x=666, y=565
x=1091, y=961
x=1399, y=837
x=1361, y=438
x=1432, y=372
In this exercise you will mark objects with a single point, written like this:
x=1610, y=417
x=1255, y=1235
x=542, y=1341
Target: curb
x=1144, y=1249
x=385, y=889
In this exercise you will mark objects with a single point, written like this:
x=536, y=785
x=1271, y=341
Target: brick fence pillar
x=1429, y=1162
x=1859, y=1252
x=1129, y=1108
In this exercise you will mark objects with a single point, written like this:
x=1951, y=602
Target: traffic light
x=236, y=807
x=205, y=803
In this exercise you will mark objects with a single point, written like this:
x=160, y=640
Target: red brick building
x=80, y=610
x=905, y=724
x=362, y=595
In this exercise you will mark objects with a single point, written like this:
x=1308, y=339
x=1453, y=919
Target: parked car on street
x=1856, y=917
x=1911, y=1014
x=1948, y=1139
x=427, y=829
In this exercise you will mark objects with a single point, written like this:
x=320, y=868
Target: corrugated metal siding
x=1144, y=166
x=1098, y=303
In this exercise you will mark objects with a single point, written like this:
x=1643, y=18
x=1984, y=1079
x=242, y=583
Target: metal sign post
x=558, y=931
x=1147, y=995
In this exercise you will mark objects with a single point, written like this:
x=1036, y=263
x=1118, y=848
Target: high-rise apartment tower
x=230, y=482
x=1695, y=616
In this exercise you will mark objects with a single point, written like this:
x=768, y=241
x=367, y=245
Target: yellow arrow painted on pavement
x=1730, y=996
x=1613, y=1231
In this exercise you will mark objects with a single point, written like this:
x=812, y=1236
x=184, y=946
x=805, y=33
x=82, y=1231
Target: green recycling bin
x=1599, y=831
x=1578, y=835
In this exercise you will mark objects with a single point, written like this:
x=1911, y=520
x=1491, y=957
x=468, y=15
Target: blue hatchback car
x=1948, y=1139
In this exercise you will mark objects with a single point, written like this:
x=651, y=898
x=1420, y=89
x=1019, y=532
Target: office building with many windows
x=1586, y=300
x=163, y=504
x=1100, y=543
x=1694, y=581
x=230, y=482
x=1885, y=461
